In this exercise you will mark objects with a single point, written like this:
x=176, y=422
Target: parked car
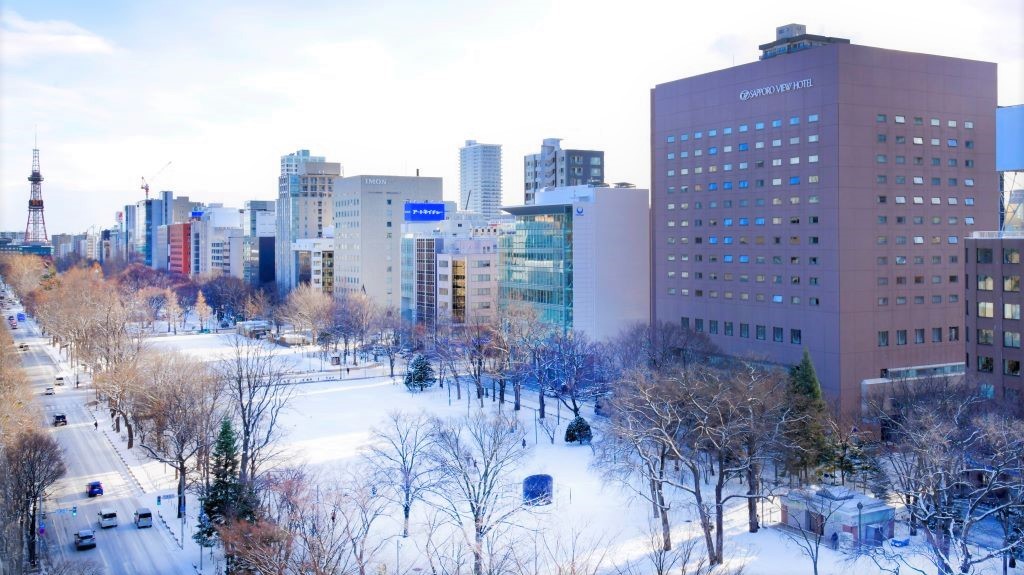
x=85, y=539
x=59, y=380
x=49, y=391
x=59, y=419
x=22, y=346
x=94, y=488
x=143, y=517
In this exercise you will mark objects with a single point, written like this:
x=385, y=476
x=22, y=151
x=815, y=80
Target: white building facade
x=480, y=178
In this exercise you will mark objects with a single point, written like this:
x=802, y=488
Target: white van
x=108, y=518
x=143, y=518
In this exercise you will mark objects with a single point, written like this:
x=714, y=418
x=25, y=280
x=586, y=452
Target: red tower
x=35, y=228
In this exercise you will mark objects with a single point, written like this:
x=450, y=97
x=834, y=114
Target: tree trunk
x=405, y=519
x=501, y=391
x=540, y=401
x=478, y=551
x=31, y=531
x=517, y=392
x=754, y=491
x=181, y=487
x=719, y=533
x=131, y=432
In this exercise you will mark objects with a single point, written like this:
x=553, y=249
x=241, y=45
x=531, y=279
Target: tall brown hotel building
x=819, y=199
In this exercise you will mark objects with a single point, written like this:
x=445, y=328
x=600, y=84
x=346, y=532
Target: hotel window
x=952, y=182
x=919, y=141
x=1011, y=339
x=954, y=333
x=919, y=334
x=918, y=200
x=713, y=326
x=985, y=309
x=900, y=200
x=712, y=133
x=795, y=336
x=759, y=126
x=670, y=139
x=1011, y=367
x=698, y=135
x=881, y=138
x=881, y=159
x=777, y=334
x=883, y=339
x=985, y=336
x=684, y=137
x=743, y=127
x=726, y=131
x=900, y=119
x=901, y=139
x=759, y=332
x=776, y=143
x=901, y=337
x=776, y=123
x=985, y=282
x=880, y=118
x=1011, y=311
x=794, y=120
x=812, y=138
x=968, y=201
x=936, y=335
x=935, y=122
x=969, y=182
x=985, y=364
x=918, y=180
x=812, y=179
x=952, y=239
x=794, y=140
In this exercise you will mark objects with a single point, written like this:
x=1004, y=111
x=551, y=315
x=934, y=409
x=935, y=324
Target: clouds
x=21, y=40
x=118, y=88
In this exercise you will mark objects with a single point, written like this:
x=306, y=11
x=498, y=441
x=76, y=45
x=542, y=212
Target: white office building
x=303, y=207
x=368, y=216
x=480, y=178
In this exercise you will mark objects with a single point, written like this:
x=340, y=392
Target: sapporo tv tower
x=35, y=227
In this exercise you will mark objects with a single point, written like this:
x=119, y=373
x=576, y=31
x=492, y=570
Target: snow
x=331, y=415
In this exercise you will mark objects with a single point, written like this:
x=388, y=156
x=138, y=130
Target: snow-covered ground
x=330, y=417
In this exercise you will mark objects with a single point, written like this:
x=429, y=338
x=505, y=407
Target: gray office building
x=555, y=167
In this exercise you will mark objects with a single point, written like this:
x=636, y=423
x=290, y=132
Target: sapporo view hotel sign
x=775, y=89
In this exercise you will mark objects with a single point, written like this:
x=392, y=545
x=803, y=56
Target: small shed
x=839, y=510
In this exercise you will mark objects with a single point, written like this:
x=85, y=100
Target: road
x=89, y=456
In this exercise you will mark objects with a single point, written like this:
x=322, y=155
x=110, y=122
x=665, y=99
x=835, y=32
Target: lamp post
x=860, y=528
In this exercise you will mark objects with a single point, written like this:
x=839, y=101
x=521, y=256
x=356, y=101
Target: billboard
x=424, y=212
x=1010, y=139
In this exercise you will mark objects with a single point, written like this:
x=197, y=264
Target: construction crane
x=145, y=184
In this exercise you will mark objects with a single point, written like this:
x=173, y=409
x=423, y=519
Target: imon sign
x=424, y=212
x=776, y=89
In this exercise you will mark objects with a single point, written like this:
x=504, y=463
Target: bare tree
x=476, y=340
x=172, y=310
x=572, y=365
x=476, y=457
x=253, y=378
x=257, y=306
x=955, y=465
x=120, y=385
x=203, y=311
x=572, y=553
x=393, y=335
x=400, y=456
x=35, y=462
x=308, y=309
x=179, y=394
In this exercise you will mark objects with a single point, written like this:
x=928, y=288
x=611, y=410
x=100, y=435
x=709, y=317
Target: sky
x=116, y=89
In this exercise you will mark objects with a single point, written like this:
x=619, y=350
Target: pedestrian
x=835, y=540
x=95, y=425
x=524, y=443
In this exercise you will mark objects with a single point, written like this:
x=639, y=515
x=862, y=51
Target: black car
x=59, y=419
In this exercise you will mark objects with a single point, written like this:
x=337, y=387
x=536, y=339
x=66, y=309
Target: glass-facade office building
x=537, y=264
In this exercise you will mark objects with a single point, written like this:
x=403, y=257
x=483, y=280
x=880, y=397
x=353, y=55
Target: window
x=919, y=335
x=1011, y=311
x=1011, y=283
x=776, y=123
x=984, y=256
x=985, y=282
x=954, y=333
x=1010, y=256
x=745, y=330
x=900, y=119
x=1010, y=367
x=881, y=158
x=901, y=337
x=1011, y=339
x=936, y=335
x=795, y=336
x=883, y=339
x=880, y=118
x=985, y=364
x=777, y=334
x=985, y=309
x=759, y=332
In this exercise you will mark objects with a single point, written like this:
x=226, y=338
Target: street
x=89, y=456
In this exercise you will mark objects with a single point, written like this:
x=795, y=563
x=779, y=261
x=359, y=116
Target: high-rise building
x=149, y=216
x=259, y=220
x=480, y=178
x=368, y=216
x=580, y=257
x=303, y=207
x=314, y=263
x=555, y=167
x=817, y=199
x=993, y=294
x=212, y=233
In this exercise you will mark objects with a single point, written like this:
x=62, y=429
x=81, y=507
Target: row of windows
x=758, y=202
x=919, y=181
x=918, y=240
x=986, y=364
x=1010, y=255
x=919, y=121
x=987, y=283
x=936, y=220
x=919, y=141
x=745, y=296
x=987, y=309
x=935, y=161
x=985, y=336
x=918, y=299
x=711, y=133
x=953, y=334
x=729, y=222
x=916, y=280
x=741, y=147
x=919, y=200
x=745, y=278
x=728, y=328
x=775, y=260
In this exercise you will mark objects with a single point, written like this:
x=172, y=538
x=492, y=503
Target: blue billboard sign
x=424, y=212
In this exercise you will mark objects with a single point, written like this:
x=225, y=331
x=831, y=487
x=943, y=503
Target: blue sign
x=21, y=317
x=424, y=212
x=196, y=215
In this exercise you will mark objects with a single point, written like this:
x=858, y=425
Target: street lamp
x=860, y=528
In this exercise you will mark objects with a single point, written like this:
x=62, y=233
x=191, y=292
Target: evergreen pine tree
x=806, y=433
x=579, y=431
x=420, y=374
x=225, y=499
